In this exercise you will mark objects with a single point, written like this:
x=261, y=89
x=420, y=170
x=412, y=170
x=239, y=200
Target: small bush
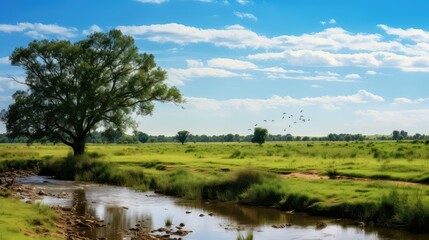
x=400, y=209
x=85, y=168
x=297, y=202
x=235, y=154
x=332, y=173
x=263, y=194
x=168, y=222
x=249, y=236
x=5, y=192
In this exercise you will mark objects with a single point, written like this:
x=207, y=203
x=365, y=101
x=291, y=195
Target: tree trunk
x=78, y=148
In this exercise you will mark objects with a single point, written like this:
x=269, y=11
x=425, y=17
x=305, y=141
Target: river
x=122, y=208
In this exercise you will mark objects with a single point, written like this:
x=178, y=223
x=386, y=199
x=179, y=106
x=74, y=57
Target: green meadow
x=380, y=183
x=19, y=220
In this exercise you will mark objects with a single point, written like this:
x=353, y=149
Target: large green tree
x=260, y=135
x=74, y=88
x=181, y=136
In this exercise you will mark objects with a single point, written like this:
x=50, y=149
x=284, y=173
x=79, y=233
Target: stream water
x=122, y=208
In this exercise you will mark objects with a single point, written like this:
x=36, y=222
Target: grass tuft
x=248, y=236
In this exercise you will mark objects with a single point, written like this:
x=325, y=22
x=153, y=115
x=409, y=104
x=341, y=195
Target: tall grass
x=405, y=210
x=87, y=168
x=248, y=236
x=168, y=222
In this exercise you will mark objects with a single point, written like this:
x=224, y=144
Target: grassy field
x=378, y=182
x=19, y=220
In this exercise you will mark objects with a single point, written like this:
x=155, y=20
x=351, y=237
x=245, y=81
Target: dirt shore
x=69, y=224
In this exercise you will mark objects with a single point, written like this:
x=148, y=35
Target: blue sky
x=350, y=66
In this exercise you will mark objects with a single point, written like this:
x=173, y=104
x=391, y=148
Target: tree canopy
x=181, y=136
x=260, y=135
x=74, y=88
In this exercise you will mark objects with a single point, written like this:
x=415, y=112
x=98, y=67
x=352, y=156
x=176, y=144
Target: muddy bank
x=70, y=224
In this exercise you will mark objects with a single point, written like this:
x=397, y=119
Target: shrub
x=267, y=193
x=332, y=173
x=235, y=154
x=249, y=236
x=85, y=168
x=296, y=201
x=168, y=222
x=399, y=209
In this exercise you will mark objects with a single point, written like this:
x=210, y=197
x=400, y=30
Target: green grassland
x=390, y=189
x=19, y=220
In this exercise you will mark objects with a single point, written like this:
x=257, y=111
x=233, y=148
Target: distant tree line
x=118, y=136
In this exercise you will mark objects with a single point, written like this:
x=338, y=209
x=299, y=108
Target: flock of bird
x=290, y=118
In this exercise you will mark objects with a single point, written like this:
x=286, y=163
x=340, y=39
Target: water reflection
x=123, y=208
x=117, y=218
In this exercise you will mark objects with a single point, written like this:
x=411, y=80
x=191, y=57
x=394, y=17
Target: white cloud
x=11, y=84
x=324, y=78
x=192, y=63
x=332, y=21
x=331, y=47
x=407, y=118
x=316, y=86
x=39, y=30
x=352, y=76
x=234, y=36
x=177, y=76
x=152, y=1
x=416, y=35
x=280, y=70
x=251, y=104
x=371, y=72
x=329, y=73
x=245, y=15
x=94, y=28
x=323, y=22
x=243, y=2
x=402, y=100
x=4, y=60
x=336, y=39
x=230, y=64
x=324, y=58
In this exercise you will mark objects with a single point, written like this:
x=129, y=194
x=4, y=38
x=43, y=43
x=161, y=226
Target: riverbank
x=270, y=176
x=26, y=218
x=22, y=219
